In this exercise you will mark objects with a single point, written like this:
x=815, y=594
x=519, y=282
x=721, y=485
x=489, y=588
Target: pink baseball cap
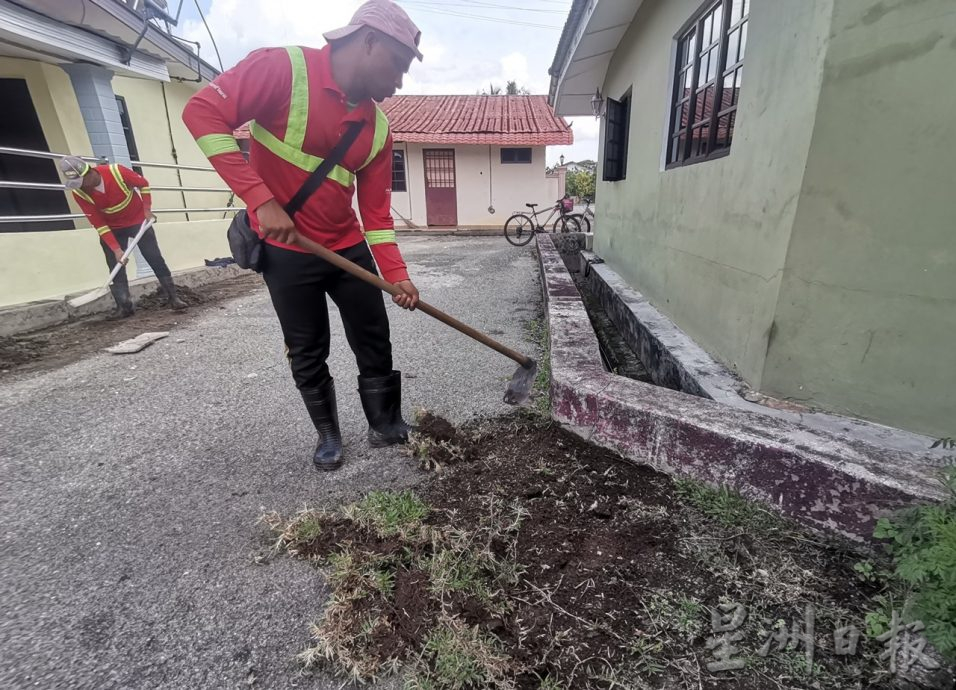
x=384, y=16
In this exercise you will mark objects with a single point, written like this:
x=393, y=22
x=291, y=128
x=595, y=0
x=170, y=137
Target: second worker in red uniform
x=117, y=201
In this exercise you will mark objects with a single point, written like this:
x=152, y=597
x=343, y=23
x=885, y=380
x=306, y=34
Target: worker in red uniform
x=117, y=201
x=300, y=101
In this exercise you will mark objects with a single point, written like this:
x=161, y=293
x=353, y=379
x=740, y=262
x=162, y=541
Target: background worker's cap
x=73, y=170
x=384, y=16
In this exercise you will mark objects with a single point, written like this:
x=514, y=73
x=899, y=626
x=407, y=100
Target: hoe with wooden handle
x=519, y=388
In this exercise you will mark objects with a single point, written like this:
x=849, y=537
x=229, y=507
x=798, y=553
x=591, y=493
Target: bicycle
x=584, y=218
x=521, y=227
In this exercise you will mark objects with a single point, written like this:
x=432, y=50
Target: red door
x=441, y=196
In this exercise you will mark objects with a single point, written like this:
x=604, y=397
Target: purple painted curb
x=821, y=479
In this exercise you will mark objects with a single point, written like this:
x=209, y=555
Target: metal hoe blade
x=519, y=387
x=91, y=296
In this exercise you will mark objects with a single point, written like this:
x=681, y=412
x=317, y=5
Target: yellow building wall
x=164, y=139
x=50, y=265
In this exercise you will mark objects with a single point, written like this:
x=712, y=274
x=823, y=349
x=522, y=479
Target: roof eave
x=163, y=41
x=591, y=35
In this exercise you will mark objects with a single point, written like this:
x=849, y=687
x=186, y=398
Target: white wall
x=482, y=181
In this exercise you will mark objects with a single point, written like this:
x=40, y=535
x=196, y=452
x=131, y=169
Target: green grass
x=541, y=401
x=298, y=533
x=458, y=657
x=360, y=573
x=723, y=505
x=388, y=514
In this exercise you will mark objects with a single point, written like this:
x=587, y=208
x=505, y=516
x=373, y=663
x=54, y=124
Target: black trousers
x=298, y=284
x=148, y=246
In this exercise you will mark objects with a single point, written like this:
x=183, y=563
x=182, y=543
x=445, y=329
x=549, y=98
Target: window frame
x=620, y=130
x=516, y=149
x=728, y=26
x=404, y=170
x=127, y=124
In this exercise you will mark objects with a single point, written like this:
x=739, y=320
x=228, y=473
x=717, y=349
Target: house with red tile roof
x=471, y=160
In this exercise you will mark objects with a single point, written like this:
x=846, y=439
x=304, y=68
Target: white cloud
x=241, y=26
x=586, y=132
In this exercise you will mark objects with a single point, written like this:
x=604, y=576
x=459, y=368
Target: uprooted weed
x=536, y=561
x=406, y=590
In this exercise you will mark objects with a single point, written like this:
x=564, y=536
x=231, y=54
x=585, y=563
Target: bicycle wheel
x=567, y=224
x=584, y=222
x=519, y=229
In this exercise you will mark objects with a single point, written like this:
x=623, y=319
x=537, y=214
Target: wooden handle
x=384, y=285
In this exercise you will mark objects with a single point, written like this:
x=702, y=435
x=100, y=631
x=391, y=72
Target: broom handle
x=384, y=285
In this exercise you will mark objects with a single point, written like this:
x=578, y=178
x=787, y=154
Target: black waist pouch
x=245, y=243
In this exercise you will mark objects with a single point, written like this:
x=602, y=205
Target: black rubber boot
x=172, y=299
x=382, y=402
x=124, y=303
x=320, y=402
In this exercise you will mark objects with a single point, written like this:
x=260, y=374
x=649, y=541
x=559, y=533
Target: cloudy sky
x=468, y=44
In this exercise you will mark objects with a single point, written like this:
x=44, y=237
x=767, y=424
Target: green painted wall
x=866, y=318
x=707, y=243
x=818, y=259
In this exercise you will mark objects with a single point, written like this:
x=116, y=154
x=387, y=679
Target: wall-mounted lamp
x=561, y=159
x=597, y=103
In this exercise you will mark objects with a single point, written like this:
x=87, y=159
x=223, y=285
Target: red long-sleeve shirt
x=259, y=88
x=118, y=205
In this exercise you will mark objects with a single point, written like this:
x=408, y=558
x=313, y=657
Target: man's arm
x=258, y=88
x=374, y=183
x=134, y=179
x=98, y=221
x=375, y=204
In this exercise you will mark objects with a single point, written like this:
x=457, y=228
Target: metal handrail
x=4, y=184
x=174, y=166
x=224, y=190
x=30, y=153
x=9, y=184
x=77, y=216
x=33, y=153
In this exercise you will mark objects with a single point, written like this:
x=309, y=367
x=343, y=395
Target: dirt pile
x=157, y=299
x=533, y=560
x=17, y=351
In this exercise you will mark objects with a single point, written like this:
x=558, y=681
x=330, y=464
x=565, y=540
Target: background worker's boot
x=124, y=303
x=172, y=299
x=382, y=402
x=320, y=402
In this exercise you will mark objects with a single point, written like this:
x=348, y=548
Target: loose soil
x=622, y=573
x=66, y=343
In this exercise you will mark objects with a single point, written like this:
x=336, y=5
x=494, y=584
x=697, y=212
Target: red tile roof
x=503, y=120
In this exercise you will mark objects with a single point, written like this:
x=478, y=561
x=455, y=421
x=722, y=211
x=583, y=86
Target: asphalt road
x=131, y=486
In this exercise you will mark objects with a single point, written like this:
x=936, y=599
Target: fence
x=53, y=217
